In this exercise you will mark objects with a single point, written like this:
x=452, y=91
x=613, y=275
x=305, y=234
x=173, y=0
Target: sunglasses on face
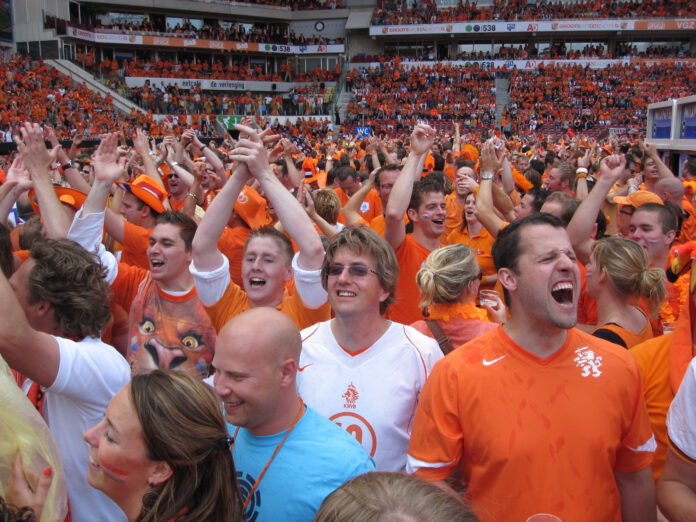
x=336, y=269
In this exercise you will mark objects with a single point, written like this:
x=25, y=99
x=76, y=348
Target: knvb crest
x=351, y=396
x=588, y=362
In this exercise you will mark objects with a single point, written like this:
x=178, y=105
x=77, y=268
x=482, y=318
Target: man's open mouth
x=562, y=293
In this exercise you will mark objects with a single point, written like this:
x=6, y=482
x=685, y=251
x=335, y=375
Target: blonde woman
x=618, y=277
x=449, y=284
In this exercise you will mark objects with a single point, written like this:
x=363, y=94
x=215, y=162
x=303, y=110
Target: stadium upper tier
x=259, y=33
x=551, y=99
x=427, y=12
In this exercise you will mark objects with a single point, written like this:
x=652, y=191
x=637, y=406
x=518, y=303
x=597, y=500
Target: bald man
x=672, y=189
x=288, y=457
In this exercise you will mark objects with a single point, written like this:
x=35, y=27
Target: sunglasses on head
x=336, y=269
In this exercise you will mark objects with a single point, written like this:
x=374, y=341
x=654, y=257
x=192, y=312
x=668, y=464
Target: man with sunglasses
x=359, y=369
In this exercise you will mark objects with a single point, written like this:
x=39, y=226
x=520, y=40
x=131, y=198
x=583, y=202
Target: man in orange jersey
x=424, y=202
x=538, y=398
x=269, y=262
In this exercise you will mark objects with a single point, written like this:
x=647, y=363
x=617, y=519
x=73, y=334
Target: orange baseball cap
x=67, y=195
x=146, y=190
x=638, y=198
x=252, y=208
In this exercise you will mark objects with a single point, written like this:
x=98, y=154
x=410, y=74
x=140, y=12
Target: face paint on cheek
x=425, y=216
x=115, y=474
x=589, y=273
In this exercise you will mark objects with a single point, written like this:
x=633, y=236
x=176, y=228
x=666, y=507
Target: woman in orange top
x=162, y=452
x=449, y=284
x=473, y=234
x=617, y=277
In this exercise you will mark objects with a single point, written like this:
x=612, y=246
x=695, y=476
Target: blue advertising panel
x=662, y=122
x=687, y=127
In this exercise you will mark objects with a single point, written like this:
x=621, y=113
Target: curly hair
x=183, y=426
x=72, y=281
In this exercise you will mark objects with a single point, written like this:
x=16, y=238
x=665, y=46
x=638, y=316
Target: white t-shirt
x=89, y=375
x=373, y=394
x=681, y=417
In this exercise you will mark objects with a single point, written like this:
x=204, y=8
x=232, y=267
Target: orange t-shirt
x=235, y=301
x=629, y=338
x=587, y=305
x=689, y=224
x=481, y=244
x=231, y=243
x=371, y=207
x=503, y=415
x=663, y=361
x=136, y=241
x=410, y=256
x=453, y=214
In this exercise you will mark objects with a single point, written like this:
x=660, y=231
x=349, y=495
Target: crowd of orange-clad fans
x=552, y=98
x=426, y=12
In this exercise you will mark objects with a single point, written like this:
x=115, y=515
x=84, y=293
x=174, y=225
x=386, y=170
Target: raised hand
x=613, y=167
x=30, y=144
x=140, y=143
x=422, y=139
x=489, y=160
x=251, y=151
x=107, y=168
x=18, y=174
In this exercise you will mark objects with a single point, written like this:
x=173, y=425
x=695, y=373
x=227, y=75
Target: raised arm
x=581, y=191
x=581, y=227
x=650, y=151
x=352, y=208
x=142, y=147
x=289, y=148
x=106, y=171
x=65, y=159
x=422, y=139
x=37, y=160
x=18, y=182
x=210, y=157
x=489, y=163
x=252, y=152
x=206, y=256
x=456, y=145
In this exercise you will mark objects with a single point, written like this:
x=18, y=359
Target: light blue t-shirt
x=316, y=458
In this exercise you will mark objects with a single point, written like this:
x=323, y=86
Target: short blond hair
x=327, y=204
x=391, y=497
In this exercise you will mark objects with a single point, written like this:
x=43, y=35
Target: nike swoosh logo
x=488, y=363
x=302, y=368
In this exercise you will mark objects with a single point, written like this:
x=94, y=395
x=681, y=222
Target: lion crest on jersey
x=588, y=362
x=351, y=396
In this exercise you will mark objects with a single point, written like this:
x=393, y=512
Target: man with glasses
x=359, y=369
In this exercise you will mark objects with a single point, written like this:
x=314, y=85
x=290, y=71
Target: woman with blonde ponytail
x=449, y=282
x=619, y=278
